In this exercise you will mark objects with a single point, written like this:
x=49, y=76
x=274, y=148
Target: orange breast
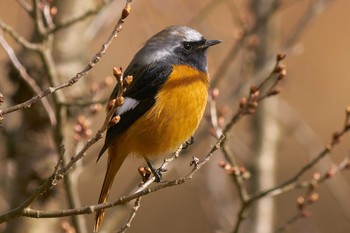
x=179, y=107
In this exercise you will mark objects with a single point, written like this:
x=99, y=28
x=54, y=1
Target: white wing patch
x=129, y=104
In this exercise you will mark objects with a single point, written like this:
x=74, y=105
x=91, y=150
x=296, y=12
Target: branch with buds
x=311, y=195
x=60, y=171
x=196, y=163
x=240, y=174
x=94, y=60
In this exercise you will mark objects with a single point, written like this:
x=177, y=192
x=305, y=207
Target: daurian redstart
x=164, y=104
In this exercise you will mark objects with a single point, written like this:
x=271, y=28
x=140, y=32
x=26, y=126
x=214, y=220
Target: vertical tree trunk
x=267, y=128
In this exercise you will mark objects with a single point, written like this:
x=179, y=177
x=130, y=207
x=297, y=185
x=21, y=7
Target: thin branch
x=237, y=175
x=242, y=215
x=18, y=38
x=33, y=100
x=26, y=6
x=248, y=106
x=293, y=183
x=26, y=77
x=132, y=216
x=311, y=195
x=258, y=93
x=23, y=210
x=232, y=54
x=56, y=176
x=47, y=13
x=345, y=164
x=232, y=164
x=315, y=9
x=43, y=21
x=94, y=60
x=79, y=18
x=38, y=18
x=290, y=183
x=290, y=222
x=59, y=174
x=101, y=21
x=214, y=113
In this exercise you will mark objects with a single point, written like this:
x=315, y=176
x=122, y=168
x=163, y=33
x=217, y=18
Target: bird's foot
x=188, y=143
x=156, y=172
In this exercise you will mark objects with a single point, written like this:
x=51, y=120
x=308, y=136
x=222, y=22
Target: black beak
x=209, y=43
x=212, y=42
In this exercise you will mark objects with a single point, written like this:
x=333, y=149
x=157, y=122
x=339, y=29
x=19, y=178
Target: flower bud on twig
x=114, y=121
x=128, y=80
x=117, y=72
x=280, y=57
x=301, y=202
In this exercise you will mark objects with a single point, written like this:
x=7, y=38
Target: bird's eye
x=187, y=45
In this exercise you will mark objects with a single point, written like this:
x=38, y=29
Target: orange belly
x=179, y=107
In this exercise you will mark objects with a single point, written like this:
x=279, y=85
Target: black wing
x=144, y=88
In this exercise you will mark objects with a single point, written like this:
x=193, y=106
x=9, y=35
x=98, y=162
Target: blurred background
x=288, y=130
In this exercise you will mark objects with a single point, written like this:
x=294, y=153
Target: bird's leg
x=156, y=172
x=188, y=143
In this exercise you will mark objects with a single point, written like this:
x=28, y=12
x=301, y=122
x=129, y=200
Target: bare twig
x=94, y=60
x=290, y=222
x=214, y=113
x=47, y=14
x=79, y=18
x=26, y=77
x=248, y=106
x=38, y=18
x=311, y=195
x=258, y=93
x=59, y=174
x=25, y=5
x=315, y=9
x=294, y=183
x=101, y=21
x=23, y=210
x=232, y=54
x=290, y=183
x=132, y=216
x=18, y=38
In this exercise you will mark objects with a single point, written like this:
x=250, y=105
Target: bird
x=164, y=104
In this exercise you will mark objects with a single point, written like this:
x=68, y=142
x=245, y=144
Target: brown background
x=317, y=89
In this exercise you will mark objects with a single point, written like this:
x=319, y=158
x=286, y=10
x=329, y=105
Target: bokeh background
x=310, y=108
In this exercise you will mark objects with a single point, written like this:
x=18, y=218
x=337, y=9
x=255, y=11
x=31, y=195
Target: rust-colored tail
x=114, y=163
